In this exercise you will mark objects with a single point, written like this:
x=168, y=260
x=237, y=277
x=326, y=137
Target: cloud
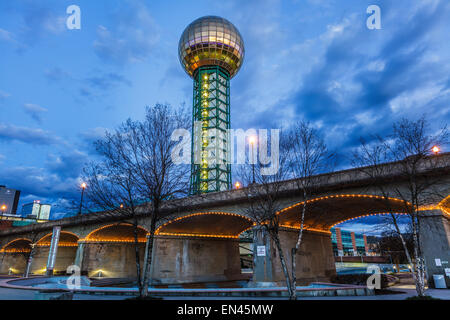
x=55, y=183
x=66, y=165
x=6, y=35
x=36, y=19
x=35, y=111
x=107, y=81
x=364, y=80
x=132, y=37
x=11, y=133
x=56, y=74
x=4, y=95
x=39, y=182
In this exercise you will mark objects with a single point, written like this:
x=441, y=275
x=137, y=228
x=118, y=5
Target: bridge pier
x=262, y=259
x=435, y=244
x=195, y=259
x=65, y=257
x=109, y=259
x=315, y=260
x=14, y=261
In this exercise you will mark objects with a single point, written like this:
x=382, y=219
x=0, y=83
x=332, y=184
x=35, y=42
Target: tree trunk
x=283, y=264
x=149, y=252
x=405, y=248
x=293, y=296
x=297, y=247
x=138, y=258
x=419, y=269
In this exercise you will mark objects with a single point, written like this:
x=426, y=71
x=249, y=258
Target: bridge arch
x=110, y=251
x=65, y=255
x=20, y=245
x=13, y=256
x=116, y=232
x=211, y=224
x=66, y=239
x=444, y=205
x=325, y=212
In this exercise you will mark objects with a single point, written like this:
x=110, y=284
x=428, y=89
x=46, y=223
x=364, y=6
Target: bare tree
x=112, y=190
x=263, y=193
x=308, y=156
x=409, y=148
x=138, y=167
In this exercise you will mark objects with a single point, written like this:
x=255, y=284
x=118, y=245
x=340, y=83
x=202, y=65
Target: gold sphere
x=211, y=41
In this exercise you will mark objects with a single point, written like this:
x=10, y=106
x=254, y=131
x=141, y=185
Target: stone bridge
x=198, y=237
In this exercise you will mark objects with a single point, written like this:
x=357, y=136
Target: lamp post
x=436, y=149
x=83, y=186
x=3, y=209
x=252, y=143
x=237, y=185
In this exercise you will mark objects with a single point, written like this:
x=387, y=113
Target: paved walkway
x=407, y=289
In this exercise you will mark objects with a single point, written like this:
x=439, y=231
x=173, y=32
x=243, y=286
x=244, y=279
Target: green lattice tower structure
x=211, y=51
x=210, y=142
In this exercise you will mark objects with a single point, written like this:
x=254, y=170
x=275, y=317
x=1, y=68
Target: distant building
x=9, y=198
x=36, y=210
x=373, y=244
x=347, y=243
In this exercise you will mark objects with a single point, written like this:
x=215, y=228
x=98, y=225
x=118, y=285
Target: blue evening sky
x=312, y=59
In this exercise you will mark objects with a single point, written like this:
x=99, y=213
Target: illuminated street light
x=83, y=187
x=3, y=207
x=436, y=149
x=237, y=185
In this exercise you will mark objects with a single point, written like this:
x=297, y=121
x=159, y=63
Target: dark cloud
x=67, y=165
x=350, y=93
x=56, y=183
x=12, y=133
x=89, y=137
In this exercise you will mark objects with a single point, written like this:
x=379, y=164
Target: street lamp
x=436, y=149
x=237, y=185
x=252, y=141
x=3, y=208
x=83, y=186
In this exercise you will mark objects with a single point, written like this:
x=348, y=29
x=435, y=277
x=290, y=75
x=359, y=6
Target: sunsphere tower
x=211, y=51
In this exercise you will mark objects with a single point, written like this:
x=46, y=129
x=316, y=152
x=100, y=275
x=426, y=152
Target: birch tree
x=263, y=193
x=308, y=156
x=408, y=149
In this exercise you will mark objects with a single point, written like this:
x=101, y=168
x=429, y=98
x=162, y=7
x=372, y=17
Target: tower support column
x=211, y=168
